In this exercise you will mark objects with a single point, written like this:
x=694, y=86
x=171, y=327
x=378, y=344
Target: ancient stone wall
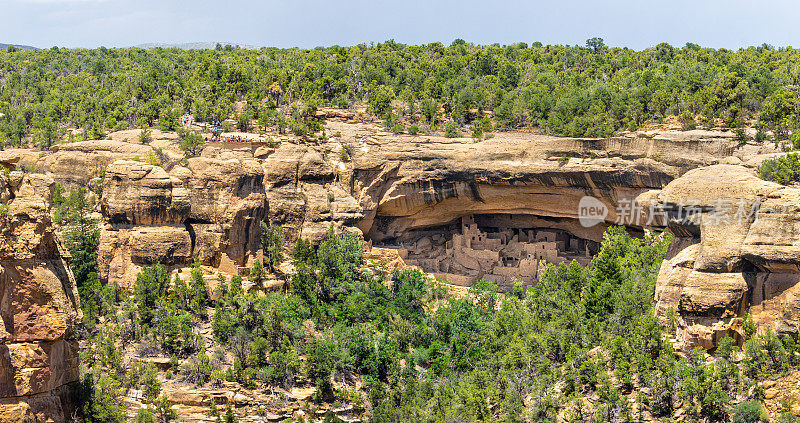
x=494, y=252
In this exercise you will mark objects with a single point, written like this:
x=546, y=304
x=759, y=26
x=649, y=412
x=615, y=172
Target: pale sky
x=306, y=23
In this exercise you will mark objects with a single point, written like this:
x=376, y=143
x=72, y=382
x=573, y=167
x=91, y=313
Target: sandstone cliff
x=38, y=306
x=736, y=251
x=404, y=183
x=394, y=190
x=209, y=209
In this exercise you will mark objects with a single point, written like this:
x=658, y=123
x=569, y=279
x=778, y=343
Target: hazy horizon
x=307, y=24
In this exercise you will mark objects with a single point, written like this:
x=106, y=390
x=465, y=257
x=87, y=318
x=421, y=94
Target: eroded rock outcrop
x=209, y=209
x=38, y=306
x=396, y=191
x=206, y=207
x=415, y=194
x=406, y=183
x=304, y=193
x=736, y=251
x=75, y=164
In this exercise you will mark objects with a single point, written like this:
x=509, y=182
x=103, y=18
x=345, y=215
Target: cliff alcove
x=502, y=248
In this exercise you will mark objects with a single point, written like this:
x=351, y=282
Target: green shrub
x=481, y=127
x=784, y=170
x=190, y=142
x=198, y=291
x=451, y=131
x=749, y=412
x=299, y=128
x=98, y=398
x=164, y=410
x=81, y=234
x=257, y=272
x=150, y=290
x=146, y=415
x=687, y=120
x=174, y=331
x=739, y=134
x=243, y=121
x=380, y=98
x=153, y=159
x=321, y=357
x=151, y=387
x=145, y=136
x=346, y=153
x=198, y=368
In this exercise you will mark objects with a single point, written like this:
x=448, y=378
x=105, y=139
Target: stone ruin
x=497, y=247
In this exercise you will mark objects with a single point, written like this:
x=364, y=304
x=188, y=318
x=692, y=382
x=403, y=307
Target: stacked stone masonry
x=495, y=248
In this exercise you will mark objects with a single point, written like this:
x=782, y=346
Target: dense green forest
x=594, y=90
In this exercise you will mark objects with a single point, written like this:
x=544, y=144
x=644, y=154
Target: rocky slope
x=38, y=305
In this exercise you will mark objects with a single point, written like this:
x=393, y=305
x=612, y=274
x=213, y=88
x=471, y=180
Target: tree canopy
x=566, y=90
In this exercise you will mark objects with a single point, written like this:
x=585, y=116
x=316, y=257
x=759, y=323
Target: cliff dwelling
x=501, y=248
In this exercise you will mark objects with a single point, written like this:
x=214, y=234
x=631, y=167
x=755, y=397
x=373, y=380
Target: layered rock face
x=75, y=164
x=38, y=306
x=407, y=194
x=209, y=209
x=395, y=190
x=415, y=193
x=406, y=183
x=736, y=251
x=306, y=192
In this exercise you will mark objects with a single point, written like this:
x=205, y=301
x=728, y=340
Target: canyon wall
x=156, y=206
x=209, y=209
x=399, y=191
x=736, y=251
x=38, y=305
x=391, y=189
x=736, y=248
x=406, y=184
